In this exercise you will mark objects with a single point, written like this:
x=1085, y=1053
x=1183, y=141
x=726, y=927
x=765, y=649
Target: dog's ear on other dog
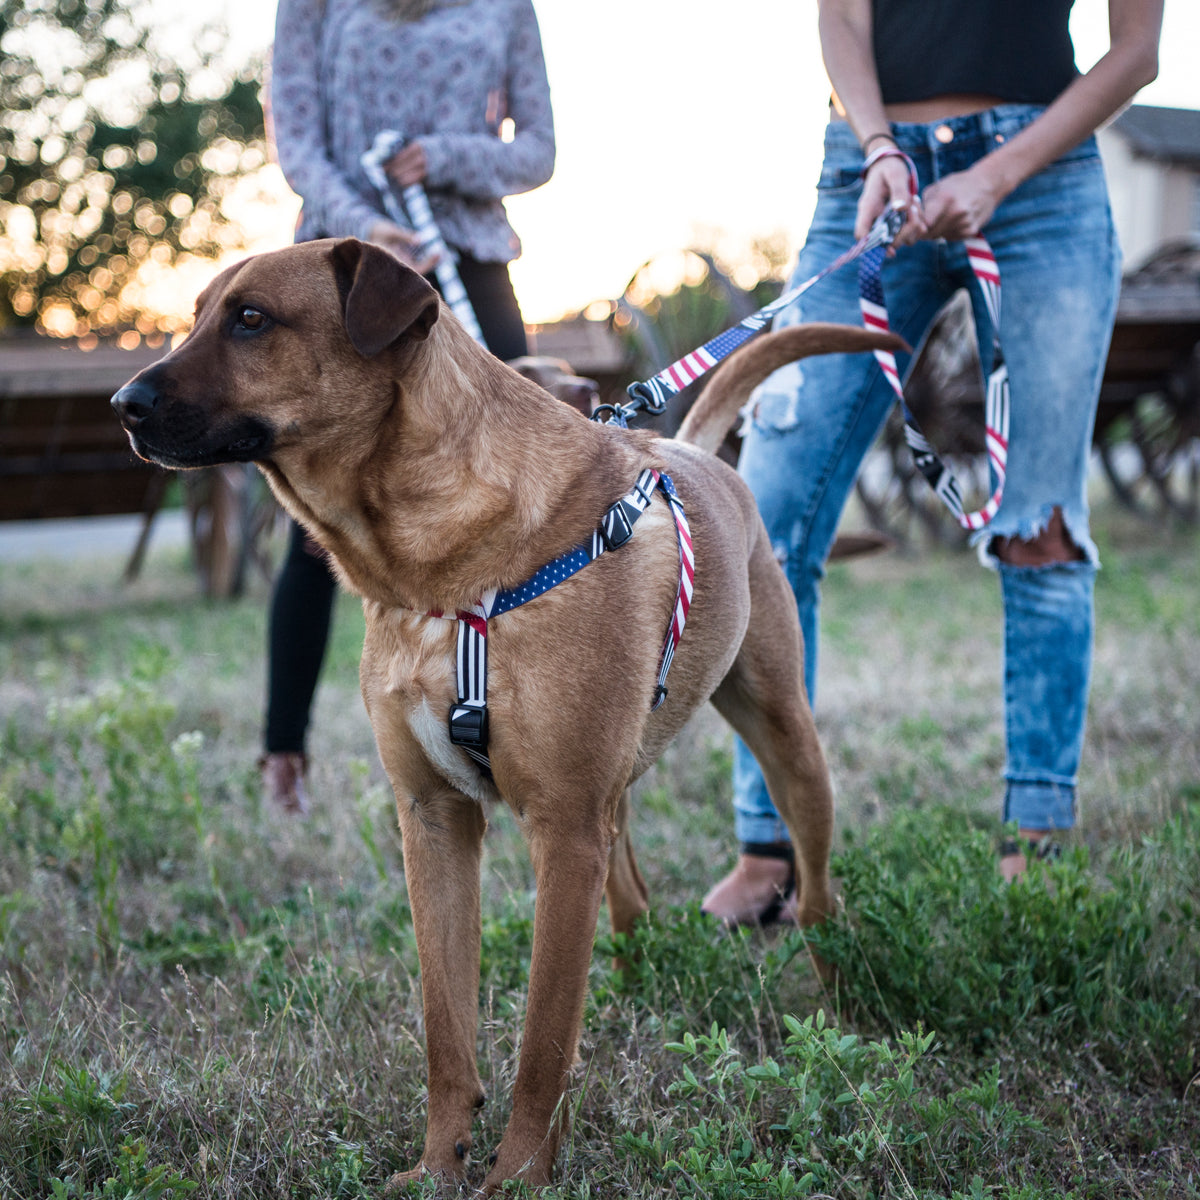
x=381, y=297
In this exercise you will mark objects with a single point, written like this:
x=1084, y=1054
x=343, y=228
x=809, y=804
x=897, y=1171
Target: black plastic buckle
x=468, y=726
x=617, y=528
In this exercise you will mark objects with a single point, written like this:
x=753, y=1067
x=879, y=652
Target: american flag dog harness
x=468, y=715
x=652, y=394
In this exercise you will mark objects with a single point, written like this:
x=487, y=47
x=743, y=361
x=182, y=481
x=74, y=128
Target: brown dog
x=432, y=473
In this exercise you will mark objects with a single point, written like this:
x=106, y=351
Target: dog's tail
x=729, y=388
x=717, y=407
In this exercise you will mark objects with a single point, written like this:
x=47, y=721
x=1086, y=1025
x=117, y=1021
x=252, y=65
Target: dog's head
x=285, y=345
x=556, y=377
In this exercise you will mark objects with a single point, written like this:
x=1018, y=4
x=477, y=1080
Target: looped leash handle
x=996, y=416
x=415, y=214
x=883, y=152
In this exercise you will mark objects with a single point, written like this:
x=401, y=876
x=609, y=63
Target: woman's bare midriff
x=938, y=108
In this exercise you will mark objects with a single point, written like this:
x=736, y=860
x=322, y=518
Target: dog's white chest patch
x=431, y=732
x=416, y=652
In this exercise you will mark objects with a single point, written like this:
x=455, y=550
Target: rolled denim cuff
x=1040, y=804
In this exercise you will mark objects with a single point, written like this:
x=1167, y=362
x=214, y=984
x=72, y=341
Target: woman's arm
x=962, y=204
x=297, y=110
x=482, y=164
x=845, y=28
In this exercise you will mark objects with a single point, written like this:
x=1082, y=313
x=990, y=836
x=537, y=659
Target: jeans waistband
x=1004, y=121
x=950, y=137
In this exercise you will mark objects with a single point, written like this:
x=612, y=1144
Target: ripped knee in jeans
x=1051, y=544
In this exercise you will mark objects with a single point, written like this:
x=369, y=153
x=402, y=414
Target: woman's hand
x=959, y=206
x=404, y=244
x=887, y=186
x=408, y=166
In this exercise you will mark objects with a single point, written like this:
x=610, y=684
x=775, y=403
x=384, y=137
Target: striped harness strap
x=468, y=715
x=870, y=251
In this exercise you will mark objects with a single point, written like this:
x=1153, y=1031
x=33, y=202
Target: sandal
x=775, y=908
x=1043, y=849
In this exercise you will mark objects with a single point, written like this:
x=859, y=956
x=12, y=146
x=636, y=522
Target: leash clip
x=645, y=395
x=611, y=414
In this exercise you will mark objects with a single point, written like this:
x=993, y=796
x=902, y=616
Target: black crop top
x=1016, y=50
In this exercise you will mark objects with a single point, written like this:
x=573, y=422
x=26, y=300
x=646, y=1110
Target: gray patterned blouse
x=342, y=71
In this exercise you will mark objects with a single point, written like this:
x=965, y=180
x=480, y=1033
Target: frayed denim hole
x=1026, y=529
x=775, y=407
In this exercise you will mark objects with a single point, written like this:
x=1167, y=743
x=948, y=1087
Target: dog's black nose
x=134, y=402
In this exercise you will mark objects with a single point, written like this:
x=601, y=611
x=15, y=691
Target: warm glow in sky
x=681, y=115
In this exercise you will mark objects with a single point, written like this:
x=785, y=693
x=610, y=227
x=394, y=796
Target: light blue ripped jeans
x=814, y=421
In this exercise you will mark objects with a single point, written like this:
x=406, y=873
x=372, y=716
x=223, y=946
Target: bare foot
x=1014, y=863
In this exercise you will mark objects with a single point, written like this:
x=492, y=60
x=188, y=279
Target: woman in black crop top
x=984, y=103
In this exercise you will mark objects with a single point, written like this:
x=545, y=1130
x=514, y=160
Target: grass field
x=199, y=997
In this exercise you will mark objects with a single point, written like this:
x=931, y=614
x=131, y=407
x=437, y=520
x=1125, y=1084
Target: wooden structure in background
x=63, y=453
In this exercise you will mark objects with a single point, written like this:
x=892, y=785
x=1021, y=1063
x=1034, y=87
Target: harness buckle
x=616, y=528
x=468, y=726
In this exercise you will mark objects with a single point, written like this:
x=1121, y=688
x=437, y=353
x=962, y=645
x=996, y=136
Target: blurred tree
x=117, y=148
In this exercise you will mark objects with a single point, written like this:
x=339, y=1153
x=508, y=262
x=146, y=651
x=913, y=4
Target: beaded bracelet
x=891, y=152
x=883, y=133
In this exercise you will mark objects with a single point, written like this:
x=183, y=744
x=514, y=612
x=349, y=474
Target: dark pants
x=302, y=601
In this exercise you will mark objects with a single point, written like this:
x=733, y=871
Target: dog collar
x=468, y=715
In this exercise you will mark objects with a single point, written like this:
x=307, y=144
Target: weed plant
x=199, y=998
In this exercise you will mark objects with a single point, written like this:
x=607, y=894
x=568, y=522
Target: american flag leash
x=652, y=394
x=468, y=715
x=996, y=411
x=416, y=215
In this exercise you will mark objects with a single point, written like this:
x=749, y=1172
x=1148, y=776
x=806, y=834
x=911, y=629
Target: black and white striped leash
x=416, y=215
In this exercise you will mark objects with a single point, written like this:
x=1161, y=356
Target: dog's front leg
x=570, y=863
x=443, y=838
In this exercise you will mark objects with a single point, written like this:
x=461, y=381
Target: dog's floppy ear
x=381, y=297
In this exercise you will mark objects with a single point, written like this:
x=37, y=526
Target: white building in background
x=1152, y=160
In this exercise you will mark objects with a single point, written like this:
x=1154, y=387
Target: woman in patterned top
x=464, y=81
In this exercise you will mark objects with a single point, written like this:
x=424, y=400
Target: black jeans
x=302, y=600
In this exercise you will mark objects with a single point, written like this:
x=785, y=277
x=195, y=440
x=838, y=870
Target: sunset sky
x=674, y=116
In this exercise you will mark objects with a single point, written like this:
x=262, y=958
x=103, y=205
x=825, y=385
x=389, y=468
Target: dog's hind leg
x=785, y=744
x=625, y=888
x=763, y=698
x=443, y=838
x=570, y=855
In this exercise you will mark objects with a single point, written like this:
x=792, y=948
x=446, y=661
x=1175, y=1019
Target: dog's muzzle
x=174, y=432
x=134, y=403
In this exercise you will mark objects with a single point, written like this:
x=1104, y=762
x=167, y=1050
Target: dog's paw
x=405, y=1183
x=533, y=1170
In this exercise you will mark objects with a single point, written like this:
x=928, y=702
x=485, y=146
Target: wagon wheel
x=899, y=502
x=894, y=495
x=1151, y=460
x=233, y=516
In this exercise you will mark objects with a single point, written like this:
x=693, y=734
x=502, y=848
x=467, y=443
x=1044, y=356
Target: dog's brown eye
x=251, y=318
